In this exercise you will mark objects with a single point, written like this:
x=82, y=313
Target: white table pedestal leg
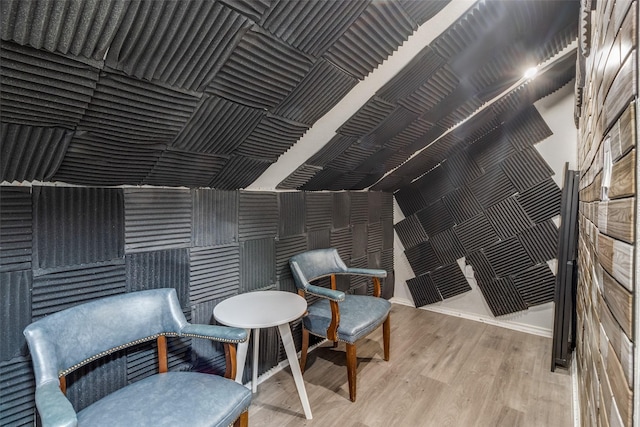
x=256, y=347
x=292, y=355
x=241, y=357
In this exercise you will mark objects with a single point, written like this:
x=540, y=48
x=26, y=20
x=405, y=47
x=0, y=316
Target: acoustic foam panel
x=318, y=210
x=507, y=257
x=159, y=269
x=447, y=246
x=346, y=241
x=410, y=232
x=214, y=272
x=492, y=187
x=403, y=139
x=332, y=149
x=375, y=206
x=215, y=217
x=16, y=229
x=502, y=296
x=492, y=149
x=292, y=213
x=360, y=285
x=253, y=9
x=30, y=152
x=386, y=212
x=257, y=264
x=393, y=124
x=461, y=168
x=536, y=285
x=286, y=248
x=156, y=219
x=66, y=234
x=482, y=270
x=208, y=355
x=325, y=178
x=423, y=290
x=272, y=137
x=17, y=393
x=434, y=184
x=15, y=314
x=435, y=218
x=318, y=239
x=239, y=172
x=462, y=204
x=387, y=234
x=299, y=177
x=508, y=218
x=476, y=233
x=527, y=128
x=341, y=210
x=526, y=168
x=422, y=258
x=450, y=280
x=92, y=382
x=179, y=168
x=541, y=241
x=257, y=215
x=352, y=158
x=359, y=207
x=541, y=202
x=142, y=360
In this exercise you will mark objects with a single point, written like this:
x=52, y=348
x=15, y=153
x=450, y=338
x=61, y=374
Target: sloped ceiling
x=211, y=93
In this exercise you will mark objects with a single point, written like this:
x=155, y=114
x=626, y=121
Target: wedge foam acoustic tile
x=393, y=124
x=325, y=178
x=142, y=360
x=31, y=152
x=447, y=246
x=214, y=272
x=272, y=137
x=93, y=381
x=299, y=177
x=386, y=212
x=207, y=355
x=421, y=12
x=239, y=172
x=257, y=264
x=527, y=128
x=409, y=134
x=450, y=280
x=387, y=233
x=541, y=241
x=476, y=233
x=318, y=210
x=253, y=9
x=292, y=213
x=15, y=294
x=482, y=270
x=462, y=204
x=536, y=285
x=182, y=44
x=156, y=219
x=341, y=210
x=541, y=202
x=215, y=217
x=492, y=149
x=508, y=218
x=367, y=118
x=346, y=241
x=352, y=157
x=359, y=207
x=422, y=258
x=177, y=168
x=434, y=184
x=492, y=187
x=44, y=89
x=258, y=215
x=318, y=239
x=56, y=289
x=423, y=290
x=410, y=232
x=435, y=218
x=16, y=229
x=526, y=169
x=507, y=257
x=335, y=147
x=461, y=168
x=19, y=399
x=502, y=296
x=159, y=269
x=261, y=71
x=286, y=248
x=436, y=88
x=64, y=233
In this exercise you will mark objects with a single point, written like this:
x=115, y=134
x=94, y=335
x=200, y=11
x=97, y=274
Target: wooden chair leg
x=243, y=420
x=303, y=350
x=335, y=344
x=386, y=336
x=352, y=363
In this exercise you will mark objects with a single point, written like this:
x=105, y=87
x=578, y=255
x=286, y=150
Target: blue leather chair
x=64, y=341
x=336, y=315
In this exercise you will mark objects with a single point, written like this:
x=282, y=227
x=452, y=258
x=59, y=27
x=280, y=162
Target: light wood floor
x=444, y=371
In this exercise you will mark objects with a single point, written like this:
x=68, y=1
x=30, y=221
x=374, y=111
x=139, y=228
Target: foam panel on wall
x=253, y=9
x=536, y=285
x=318, y=210
x=541, y=241
x=508, y=257
x=508, y=218
x=410, y=232
x=423, y=290
x=272, y=137
x=450, y=280
x=285, y=249
x=434, y=184
x=31, y=152
x=257, y=264
x=65, y=235
x=239, y=172
x=292, y=213
x=502, y=296
x=526, y=168
x=92, y=382
x=462, y=204
x=386, y=262
x=492, y=149
x=156, y=219
x=492, y=187
x=142, y=360
x=257, y=215
x=16, y=229
x=387, y=234
x=359, y=207
x=375, y=206
x=341, y=210
x=215, y=217
x=159, y=269
x=178, y=168
x=318, y=239
x=447, y=246
x=18, y=401
x=461, y=168
x=214, y=272
x=299, y=177
x=483, y=271
x=527, y=128
x=386, y=212
x=541, y=202
x=435, y=218
x=15, y=313
x=422, y=258
x=476, y=233
x=350, y=243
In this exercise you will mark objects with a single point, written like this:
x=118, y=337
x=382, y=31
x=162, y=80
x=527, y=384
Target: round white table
x=263, y=309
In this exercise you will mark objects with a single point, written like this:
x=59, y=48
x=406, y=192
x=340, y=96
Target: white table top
x=260, y=309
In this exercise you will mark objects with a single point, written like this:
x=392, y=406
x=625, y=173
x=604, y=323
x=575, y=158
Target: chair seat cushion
x=359, y=315
x=170, y=399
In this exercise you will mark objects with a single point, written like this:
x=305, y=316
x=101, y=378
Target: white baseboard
x=575, y=398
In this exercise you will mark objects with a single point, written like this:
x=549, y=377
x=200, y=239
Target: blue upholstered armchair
x=336, y=315
x=69, y=339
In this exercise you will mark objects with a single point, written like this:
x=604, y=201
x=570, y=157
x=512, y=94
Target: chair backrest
x=311, y=265
x=64, y=341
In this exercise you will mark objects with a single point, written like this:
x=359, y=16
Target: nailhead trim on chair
x=212, y=338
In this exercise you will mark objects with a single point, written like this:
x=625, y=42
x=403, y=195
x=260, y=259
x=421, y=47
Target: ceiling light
x=531, y=73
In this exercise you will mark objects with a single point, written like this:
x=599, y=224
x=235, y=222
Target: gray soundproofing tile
x=15, y=313
x=208, y=355
x=374, y=241
x=541, y=241
x=352, y=158
x=31, y=152
x=179, y=168
x=44, y=89
x=492, y=187
x=142, y=360
x=159, y=269
x=492, y=149
x=55, y=289
x=462, y=204
x=286, y=248
x=375, y=206
x=377, y=32
x=16, y=229
x=272, y=137
x=527, y=128
x=536, y=285
x=412, y=76
x=359, y=207
x=387, y=233
x=422, y=258
x=350, y=243
x=436, y=88
x=341, y=210
x=318, y=239
x=214, y=272
x=257, y=264
x=156, y=218
x=299, y=177
x=508, y=218
x=258, y=215
x=178, y=43
x=64, y=232
x=423, y=290
x=541, y=202
x=360, y=285
x=215, y=217
x=292, y=213
x=332, y=149
x=447, y=246
x=253, y=9
x=327, y=179
x=410, y=232
x=434, y=184
x=526, y=168
x=239, y=172
x=393, y=124
x=96, y=380
x=406, y=137
x=17, y=393
x=261, y=71
x=386, y=212
x=482, y=270
x=502, y=296
x=318, y=210
x=476, y=233
x=461, y=168
x=450, y=280
x=435, y=218
x=508, y=257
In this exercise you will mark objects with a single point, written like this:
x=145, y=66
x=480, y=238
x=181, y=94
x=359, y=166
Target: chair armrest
x=53, y=406
x=372, y=272
x=224, y=334
x=330, y=294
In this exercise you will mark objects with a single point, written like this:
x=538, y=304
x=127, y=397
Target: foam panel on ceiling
x=435, y=218
x=341, y=210
x=483, y=271
x=367, y=118
x=292, y=213
x=476, y=233
x=324, y=179
x=257, y=264
x=460, y=113
x=350, y=242
x=239, y=172
x=440, y=84
x=502, y=296
x=434, y=184
x=318, y=210
x=393, y=124
x=214, y=272
x=336, y=146
x=16, y=229
x=43, y=89
x=527, y=128
x=423, y=290
x=377, y=33
x=261, y=71
x=15, y=312
x=31, y=152
x=450, y=280
x=447, y=246
x=411, y=76
x=422, y=258
x=508, y=257
x=500, y=72
x=258, y=215
x=215, y=217
x=65, y=235
x=390, y=183
x=58, y=288
x=92, y=382
x=19, y=373
x=136, y=111
x=179, y=43
x=299, y=177
x=508, y=218
x=254, y=9
x=156, y=219
x=352, y=157
x=492, y=187
x=286, y=247
x=410, y=200
x=536, y=285
x=408, y=135
x=179, y=168
x=272, y=137
x=159, y=269
x=541, y=241
x=410, y=232
x=526, y=168
x=462, y=205
x=541, y=202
